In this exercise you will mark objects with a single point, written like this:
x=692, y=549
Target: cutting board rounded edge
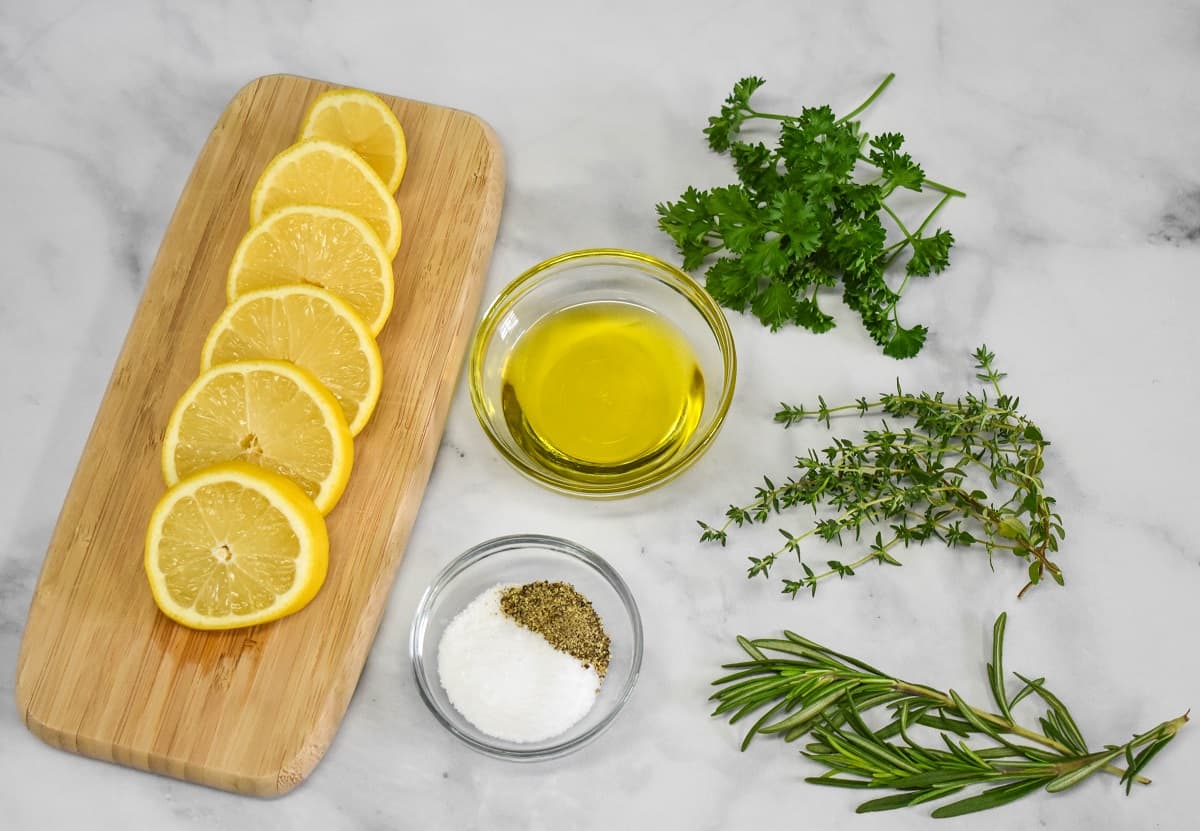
x=295, y=770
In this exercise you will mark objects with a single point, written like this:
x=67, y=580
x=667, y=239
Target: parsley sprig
x=826, y=695
x=804, y=217
x=966, y=473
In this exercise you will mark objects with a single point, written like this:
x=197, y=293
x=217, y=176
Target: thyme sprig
x=815, y=691
x=966, y=472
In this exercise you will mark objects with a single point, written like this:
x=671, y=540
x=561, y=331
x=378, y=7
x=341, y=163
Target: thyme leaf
x=965, y=473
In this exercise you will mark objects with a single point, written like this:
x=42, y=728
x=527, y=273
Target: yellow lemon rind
x=334, y=98
x=391, y=242
x=370, y=238
x=286, y=497
x=343, y=443
x=370, y=348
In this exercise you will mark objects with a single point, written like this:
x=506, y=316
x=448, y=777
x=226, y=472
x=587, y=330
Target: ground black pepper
x=564, y=617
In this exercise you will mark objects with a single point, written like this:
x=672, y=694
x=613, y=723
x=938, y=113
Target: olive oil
x=602, y=389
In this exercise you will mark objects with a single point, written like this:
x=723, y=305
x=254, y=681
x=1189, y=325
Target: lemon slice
x=234, y=545
x=270, y=413
x=319, y=172
x=365, y=124
x=311, y=328
x=324, y=247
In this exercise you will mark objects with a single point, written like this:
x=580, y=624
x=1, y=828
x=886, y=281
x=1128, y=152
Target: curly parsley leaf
x=930, y=255
x=905, y=343
x=775, y=305
x=722, y=128
x=690, y=223
x=898, y=169
x=807, y=214
x=731, y=284
x=809, y=315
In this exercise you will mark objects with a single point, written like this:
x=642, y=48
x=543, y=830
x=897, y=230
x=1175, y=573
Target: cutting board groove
x=101, y=672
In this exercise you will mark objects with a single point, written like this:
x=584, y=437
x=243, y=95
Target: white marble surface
x=1071, y=124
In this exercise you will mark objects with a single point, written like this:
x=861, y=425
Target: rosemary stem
x=1015, y=729
x=812, y=690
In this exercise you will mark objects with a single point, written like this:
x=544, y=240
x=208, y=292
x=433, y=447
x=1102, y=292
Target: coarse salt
x=509, y=681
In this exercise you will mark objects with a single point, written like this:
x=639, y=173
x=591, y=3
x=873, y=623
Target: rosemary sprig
x=815, y=691
x=966, y=472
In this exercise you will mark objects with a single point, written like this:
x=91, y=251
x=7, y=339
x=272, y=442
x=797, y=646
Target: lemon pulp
x=234, y=545
x=602, y=388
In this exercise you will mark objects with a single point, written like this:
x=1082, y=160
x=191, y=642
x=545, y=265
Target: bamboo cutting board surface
x=101, y=671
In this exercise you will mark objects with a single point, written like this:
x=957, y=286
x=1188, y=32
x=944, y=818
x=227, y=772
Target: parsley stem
x=904, y=230
x=891, y=76
x=774, y=116
x=933, y=185
x=946, y=189
x=933, y=212
x=908, y=240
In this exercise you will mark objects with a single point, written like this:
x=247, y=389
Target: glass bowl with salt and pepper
x=526, y=647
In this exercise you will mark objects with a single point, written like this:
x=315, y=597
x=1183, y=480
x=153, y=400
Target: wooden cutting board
x=101, y=671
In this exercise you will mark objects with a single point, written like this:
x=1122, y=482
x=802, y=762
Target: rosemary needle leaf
x=1074, y=777
x=996, y=667
x=837, y=782
x=751, y=650
x=904, y=800
x=991, y=798
x=1026, y=690
x=930, y=778
x=809, y=713
x=809, y=689
x=1140, y=761
x=757, y=726
x=1058, y=715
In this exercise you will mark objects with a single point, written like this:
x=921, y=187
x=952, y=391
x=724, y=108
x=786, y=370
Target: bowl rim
x=696, y=295
x=478, y=553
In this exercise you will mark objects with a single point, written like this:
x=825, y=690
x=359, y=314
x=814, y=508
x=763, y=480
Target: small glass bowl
x=524, y=558
x=591, y=275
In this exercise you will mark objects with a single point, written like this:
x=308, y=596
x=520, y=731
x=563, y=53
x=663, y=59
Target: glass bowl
x=524, y=558
x=614, y=275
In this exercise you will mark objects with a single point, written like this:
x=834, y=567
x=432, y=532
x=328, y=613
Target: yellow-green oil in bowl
x=600, y=389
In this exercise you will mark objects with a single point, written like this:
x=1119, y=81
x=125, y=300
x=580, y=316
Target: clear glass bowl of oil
x=602, y=372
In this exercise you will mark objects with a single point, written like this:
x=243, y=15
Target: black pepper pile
x=564, y=617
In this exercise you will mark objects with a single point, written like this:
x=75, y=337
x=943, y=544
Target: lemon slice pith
x=365, y=124
x=234, y=545
x=320, y=246
x=314, y=330
x=319, y=172
x=270, y=413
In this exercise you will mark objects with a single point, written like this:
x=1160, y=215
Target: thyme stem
x=966, y=472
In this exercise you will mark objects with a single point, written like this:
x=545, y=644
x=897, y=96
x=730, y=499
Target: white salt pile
x=507, y=680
